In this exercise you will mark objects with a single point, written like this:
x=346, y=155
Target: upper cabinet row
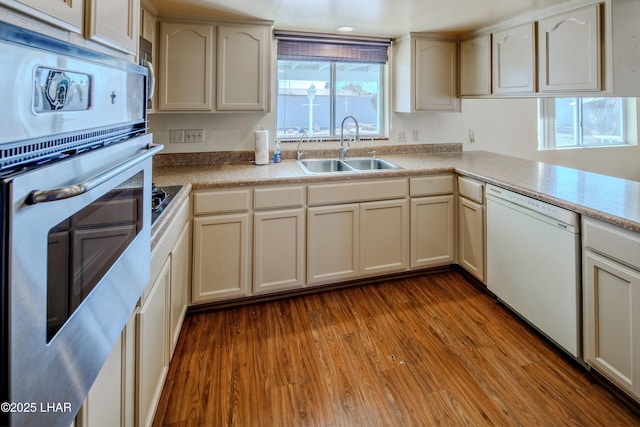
x=113, y=23
x=589, y=49
x=213, y=67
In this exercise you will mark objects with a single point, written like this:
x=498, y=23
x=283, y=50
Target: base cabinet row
x=127, y=389
x=249, y=242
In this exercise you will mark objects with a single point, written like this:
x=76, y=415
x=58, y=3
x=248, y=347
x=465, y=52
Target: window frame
x=547, y=125
x=335, y=51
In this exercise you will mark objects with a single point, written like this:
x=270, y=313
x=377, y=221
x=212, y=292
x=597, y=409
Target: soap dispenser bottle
x=276, y=153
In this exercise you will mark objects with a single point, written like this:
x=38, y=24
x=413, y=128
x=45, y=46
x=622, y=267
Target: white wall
x=506, y=126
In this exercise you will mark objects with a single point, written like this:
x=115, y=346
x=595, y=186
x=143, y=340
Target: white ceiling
x=387, y=18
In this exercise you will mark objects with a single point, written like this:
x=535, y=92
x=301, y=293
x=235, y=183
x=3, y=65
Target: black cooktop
x=161, y=198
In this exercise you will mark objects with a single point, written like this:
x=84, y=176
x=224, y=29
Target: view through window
x=314, y=97
x=585, y=122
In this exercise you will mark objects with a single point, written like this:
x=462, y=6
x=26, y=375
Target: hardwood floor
x=429, y=350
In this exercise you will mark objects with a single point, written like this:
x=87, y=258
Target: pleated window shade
x=324, y=47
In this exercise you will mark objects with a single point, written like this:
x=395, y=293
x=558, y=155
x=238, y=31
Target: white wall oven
x=75, y=199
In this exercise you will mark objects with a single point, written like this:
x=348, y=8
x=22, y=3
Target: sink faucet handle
x=373, y=154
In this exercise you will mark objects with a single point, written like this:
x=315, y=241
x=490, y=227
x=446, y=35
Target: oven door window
x=83, y=247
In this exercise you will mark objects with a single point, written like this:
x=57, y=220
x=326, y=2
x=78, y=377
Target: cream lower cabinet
x=333, y=235
x=153, y=357
x=432, y=231
x=221, y=245
x=611, y=303
x=471, y=228
x=356, y=229
x=278, y=250
x=279, y=238
x=432, y=221
x=384, y=237
x=111, y=399
x=180, y=280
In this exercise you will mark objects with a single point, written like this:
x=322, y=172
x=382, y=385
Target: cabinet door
x=432, y=231
x=180, y=275
x=221, y=257
x=111, y=399
x=148, y=25
x=186, y=67
x=114, y=23
x=569, y=51
x=333, y=236
x=514, y=60
x=436, y=75
x=152, y=361
x=471, y=237
x=612, y=320
x=475, y=66
x=384, y=236
x=279, y=248
x=243, y=67
x=67, y=14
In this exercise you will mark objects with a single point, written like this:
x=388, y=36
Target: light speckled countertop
x=609, y=199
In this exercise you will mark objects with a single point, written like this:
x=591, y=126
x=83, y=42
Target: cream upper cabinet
x=426, y=75
x=185, y=74
x=242, y=67
x=67, y=14
x=148, y=23
x=569, y=51
x=514, y=60
x=213, y=67
x=475, y=66
x=114, y=23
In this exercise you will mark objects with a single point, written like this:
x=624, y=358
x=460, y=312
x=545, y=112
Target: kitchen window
x=322, y=79
x=587, y=122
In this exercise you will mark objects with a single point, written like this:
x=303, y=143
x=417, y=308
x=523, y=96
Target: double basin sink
x=356, y=164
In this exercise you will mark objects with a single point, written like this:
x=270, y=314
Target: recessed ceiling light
x=346, y=28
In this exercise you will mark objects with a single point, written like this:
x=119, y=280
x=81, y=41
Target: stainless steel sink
x=324, y=166
x=369, y=163
x=358, y=164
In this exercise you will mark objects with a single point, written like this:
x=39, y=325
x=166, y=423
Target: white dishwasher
x=533, y=264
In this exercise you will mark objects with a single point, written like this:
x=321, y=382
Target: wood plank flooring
x=428, y=350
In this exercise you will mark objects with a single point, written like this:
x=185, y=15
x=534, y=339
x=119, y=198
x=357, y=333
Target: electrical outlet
x=176, y=136
x=401, y=136
x=194, y=135
x=472, y=136
x=416, y=135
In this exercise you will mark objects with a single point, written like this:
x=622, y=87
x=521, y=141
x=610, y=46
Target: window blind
x=327, y=47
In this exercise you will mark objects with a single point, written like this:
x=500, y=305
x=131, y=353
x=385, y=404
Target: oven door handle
x=41, y=196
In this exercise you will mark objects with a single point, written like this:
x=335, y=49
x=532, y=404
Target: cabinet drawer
x=431, y=185
x=208, y=202
x=278, y=197
x=615, y=242
x=328, y=194
x=471, y=189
